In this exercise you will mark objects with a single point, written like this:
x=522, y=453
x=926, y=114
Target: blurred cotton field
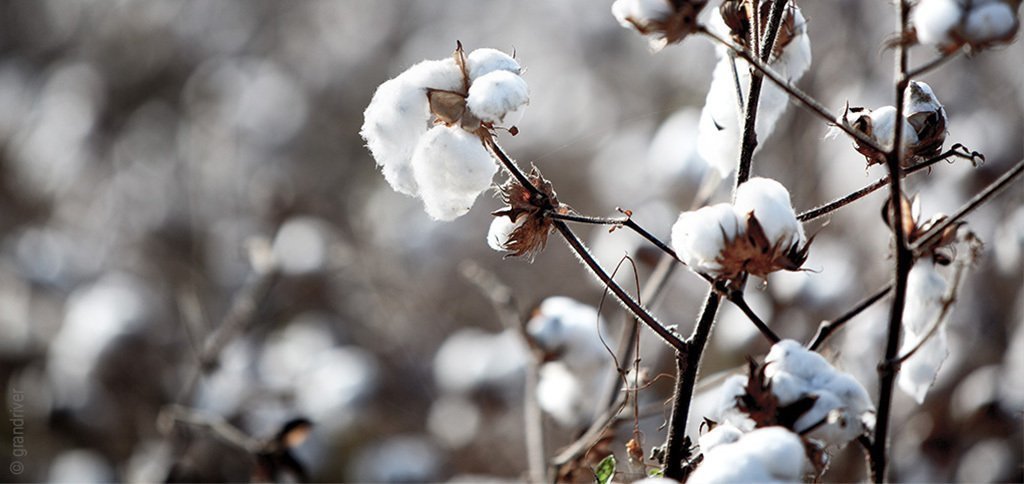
x=157, y=158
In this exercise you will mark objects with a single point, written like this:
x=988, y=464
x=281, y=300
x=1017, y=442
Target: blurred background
x=152, y=152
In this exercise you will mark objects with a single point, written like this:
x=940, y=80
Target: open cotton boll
x=719, y=129
x=486, y=60
x=990, y=22
x=398, y=115
x=699, y=236
x=501, y=228
x=883, y=128
x=934, y=20
x=571, y=330
x=769, y=201
x=771, y=454
x=451, y=167
x=723, y=433
x=498, y=95
x=640, y=11
x=920, y=99
x=925, y=292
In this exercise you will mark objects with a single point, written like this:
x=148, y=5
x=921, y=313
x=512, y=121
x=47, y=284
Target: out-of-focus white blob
x=771, y=454
x=398, y=115
x=769, y=201
x=1009, y=244
x=271, y=106
x=948, y=24
x=80, y=465
x=335, y=380
x=454, y=420
x=989, y=22
x=233, y=382
x=934, y=20
x=571, y=332
x=96, y=315
x=672, y=157
x=451, y=168
x=925, y=292
x=486, y=60
x=721, y=120
x=149, y=462
x=700, y=236
x=471, y=359
x=1011, y=397
x=644, y=16
x=977, y=390
x=301, y=246
x=734, y=331
x=827, y=282
x=990, y=460
x=405, y=458
x=498, y=97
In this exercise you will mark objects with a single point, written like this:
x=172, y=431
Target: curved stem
x=736, y=297
x=826, y=328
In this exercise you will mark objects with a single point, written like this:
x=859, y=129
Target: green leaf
x=605, y=470
x=656, y=472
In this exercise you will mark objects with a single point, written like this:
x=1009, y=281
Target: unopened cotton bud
x=498, y=97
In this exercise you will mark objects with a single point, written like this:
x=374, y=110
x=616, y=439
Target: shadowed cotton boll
x=471, y=359
x=700, y=236
x=925, y=292
x=96, y=315
x=771, y=454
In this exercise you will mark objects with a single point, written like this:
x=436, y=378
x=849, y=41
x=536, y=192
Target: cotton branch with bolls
x=426, y=128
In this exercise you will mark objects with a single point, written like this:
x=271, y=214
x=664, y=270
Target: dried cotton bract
x=950, y=24
x=664, y=21
x=759, y=234
x=426, y=127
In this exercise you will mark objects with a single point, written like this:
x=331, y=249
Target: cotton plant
x=569, y=333
x=924, y=126
x=757, y=234
x=721, y=122
x=948, y=25
x=426, y=127
x=798, y=389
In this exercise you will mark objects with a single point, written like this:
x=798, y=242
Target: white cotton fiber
x=451, y=167
x=934, y=20
x=925, y=291
x=718, y=134
x=699, y=236
x=501, y=228
x=498, y=95
x=769, y=201
x=989, y=22
x=487, y=60
x=771, y=454
x=883, y=128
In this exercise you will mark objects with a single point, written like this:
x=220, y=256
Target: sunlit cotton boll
x=486, y=60
x=452, y=168
x=700, y=236
x=498, y=97
x=925, y=292
x=631, y=12
x=398, y=115
x=769, y=201
x=771, y=454
x=500, y=230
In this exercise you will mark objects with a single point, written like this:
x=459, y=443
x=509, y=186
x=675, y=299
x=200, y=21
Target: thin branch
x=903, y=263
x=216, y=425
x=958, y=150
x=687, y=364
x=625, y=221
x=736, y=297
x=736, y=82
x=826, y=328
x=794, y=92
x=504, y=303
x=978, y=200
x=933, y=64
x=947, y=304
x=586, y=441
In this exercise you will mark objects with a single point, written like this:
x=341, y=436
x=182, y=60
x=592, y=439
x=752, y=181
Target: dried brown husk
x=676, y=26
x=752, y=253
x=531, y=236
x=737, y=15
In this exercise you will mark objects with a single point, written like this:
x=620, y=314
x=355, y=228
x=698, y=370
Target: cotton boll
x=571, y=330
x=392, y=125
x=990, y=22
x=640, y=11
x=935, y=19
x=723, y=433
x=925, y=292
x=699, y=236
x=771, y=454
x=498, y=94
x=883, y=128
x=470, y=359
x=672, y=154
x=451, y=167
x=769, y=201
x=501, y=229
x=486, y=60
x=562, y=395
x=920, y=99
x=718, y=134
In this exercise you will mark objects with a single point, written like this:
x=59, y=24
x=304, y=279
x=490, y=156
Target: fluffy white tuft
x=699, y=236
x=561, y=394
x=925, y=292
x=771, y=454
x=640, y=11
x=498, y=95
x=990, y=22
x=501, y=228
x=883, y=128
x=935, y=19
x=920, y=98
x=769, y=201
x=486, y=60
x=452, y=168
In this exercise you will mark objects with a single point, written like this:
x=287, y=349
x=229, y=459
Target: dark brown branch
x=625, y=221
x=903, y=263
x=978, y=200
x=826, y=328
x=736, y=297
x=687, y=364
x=957, y=150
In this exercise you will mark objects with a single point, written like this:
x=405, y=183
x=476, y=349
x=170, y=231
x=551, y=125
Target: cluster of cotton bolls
x=842, y=409
x=949, y=24
x=721, y=121
x=425, y=127
x=758, y=233
x=570, y=332
x=924, y=125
